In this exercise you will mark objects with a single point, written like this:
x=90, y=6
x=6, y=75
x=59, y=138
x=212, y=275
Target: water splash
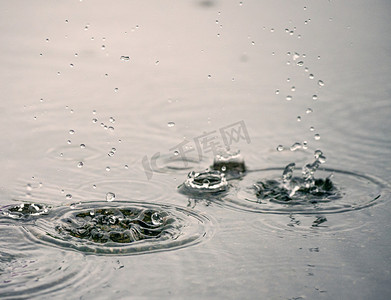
x=231, y=163
x=299, y=189
x=204, y=182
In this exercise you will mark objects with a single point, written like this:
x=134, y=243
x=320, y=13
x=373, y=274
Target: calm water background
x=203, y=65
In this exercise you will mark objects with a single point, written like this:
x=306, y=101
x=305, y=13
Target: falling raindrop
x=110, y=196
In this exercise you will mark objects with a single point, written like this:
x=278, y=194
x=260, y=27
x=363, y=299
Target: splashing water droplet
x=69, y=142
x=112, y=120
x=82, y=146
x=295, y=146
x=300, y=63
x=317, y=137
x=157, y=218
x=312, y=128
x=277, y=92
x=108, y=169
x=289, y=98
x=170, y=124
x=298, y=119
x=293, y=88
x=280, y=148
x=71, y=131
x=80, y=164
x=311, y=76
x=124, y=58
x=320, y=83
x=110, y=196
x=68, y=196
x=309, y=110
x=314, y=97
x=288, y=172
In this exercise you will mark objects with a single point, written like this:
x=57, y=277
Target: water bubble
x=280, y=148
x=80, y=164
x=289, y=98
x=317, y=137
x=68, y=196
x=71, y=131
x=124, y=58
x=112, y=120
x=170, y=124
x=110, y=196
x=320, y=83
x=308, y=110
x=314, y=97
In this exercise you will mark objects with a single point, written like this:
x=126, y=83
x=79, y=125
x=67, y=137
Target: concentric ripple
x=348, y=191
x=121, y=228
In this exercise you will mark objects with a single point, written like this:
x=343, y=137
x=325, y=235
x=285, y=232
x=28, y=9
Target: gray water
x=163, y=74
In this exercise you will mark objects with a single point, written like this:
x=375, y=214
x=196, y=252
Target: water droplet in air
x=80, y=164
x=295, y=146
x=111, y=128
x=116, y=90
x=126, y=167
x=277, y=92
x=125, y=58
x=111, y=153
x=71, y=131
x=94, y=120
x=280, y=148
x=71, y=65
x=298, y=119
x=103, y=47
x=209, y=76
x=312, y=128
x=317, y=137
x=293, y=88
x=69, y=142
x=110, y=196
x=223, y=168
x=311, y=76
x=29, y=187
x=309, y=110
x=300, y=63
x=176, y=152
x=170, y=124
x=320, y=83
x=112, y=120
x=289, y=98
x=68, y=196
x=108, y=169
x=94, y=186
x=314, y=97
